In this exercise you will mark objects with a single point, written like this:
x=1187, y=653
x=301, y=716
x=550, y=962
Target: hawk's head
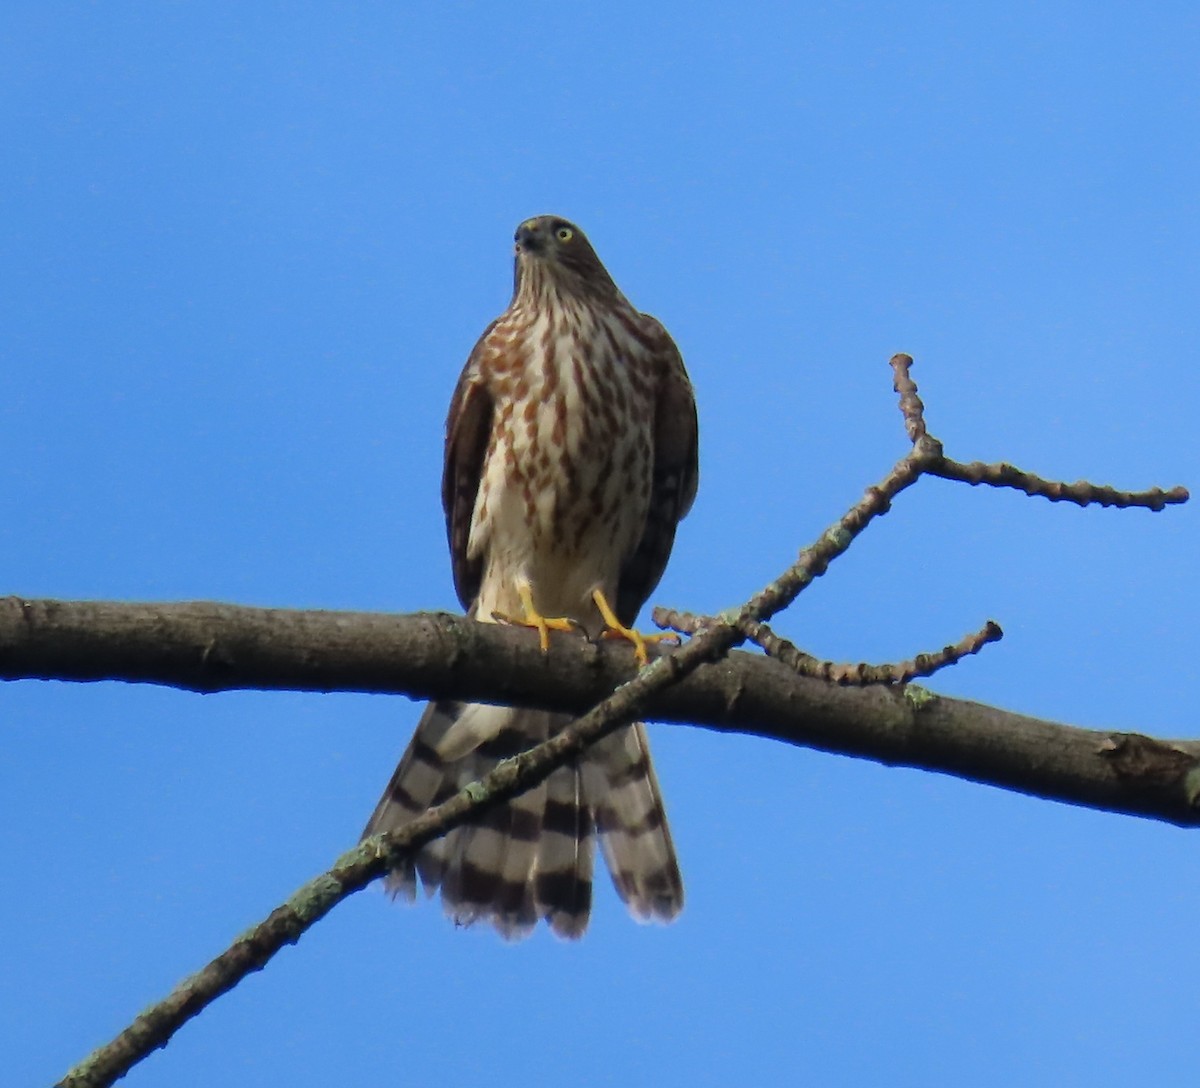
x=548, y=246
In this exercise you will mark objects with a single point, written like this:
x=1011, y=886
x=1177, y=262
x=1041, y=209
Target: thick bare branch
x=227, y=647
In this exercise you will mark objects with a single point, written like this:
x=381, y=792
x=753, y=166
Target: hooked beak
x=529, y=238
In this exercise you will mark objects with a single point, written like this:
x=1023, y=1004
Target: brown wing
x=468, y=432
x=676, y=475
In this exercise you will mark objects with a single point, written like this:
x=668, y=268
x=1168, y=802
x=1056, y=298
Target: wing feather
x=676, y=474
x=468, y=432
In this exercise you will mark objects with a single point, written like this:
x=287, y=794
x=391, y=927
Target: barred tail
x=531, y=858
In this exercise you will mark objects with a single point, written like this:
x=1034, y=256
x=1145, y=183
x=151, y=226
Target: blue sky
x=244, y=252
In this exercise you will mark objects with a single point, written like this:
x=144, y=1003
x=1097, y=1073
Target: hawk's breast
x=566, y=479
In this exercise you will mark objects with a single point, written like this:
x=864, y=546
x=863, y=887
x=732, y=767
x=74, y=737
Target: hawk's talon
x=614, y=628
x=533, y=618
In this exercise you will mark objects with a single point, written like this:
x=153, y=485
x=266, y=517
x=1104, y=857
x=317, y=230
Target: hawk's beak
x=529, y=239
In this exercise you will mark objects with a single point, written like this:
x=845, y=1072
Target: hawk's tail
x=531, y=858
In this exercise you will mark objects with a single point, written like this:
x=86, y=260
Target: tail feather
x=430, y=861
x=564, y=863
x=531, y=858
x=419, y=783
x=489, y=864
x=622, y=788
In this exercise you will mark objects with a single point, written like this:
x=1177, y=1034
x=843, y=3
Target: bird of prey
x=570, y=458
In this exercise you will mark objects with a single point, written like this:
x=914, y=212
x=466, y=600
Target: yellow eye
x=564, y=234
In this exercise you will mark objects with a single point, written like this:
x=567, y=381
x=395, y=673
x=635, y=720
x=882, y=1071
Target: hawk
x=570, y=459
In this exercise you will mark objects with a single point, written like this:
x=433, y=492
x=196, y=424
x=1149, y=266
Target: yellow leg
x=614, y=628
x=533, y=618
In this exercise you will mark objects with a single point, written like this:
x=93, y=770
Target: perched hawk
x=570, y=459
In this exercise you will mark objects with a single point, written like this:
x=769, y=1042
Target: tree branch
x=220, y=647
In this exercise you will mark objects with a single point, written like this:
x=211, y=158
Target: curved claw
x=614, y=628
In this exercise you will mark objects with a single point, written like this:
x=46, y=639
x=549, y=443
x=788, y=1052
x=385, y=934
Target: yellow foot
x=614, y=628
x=533, y=618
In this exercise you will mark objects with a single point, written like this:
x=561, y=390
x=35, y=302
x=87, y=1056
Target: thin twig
x=1000, y=474
x=687, y=623
x=911, y=405
x=1081, y=492
x=858, y=674
x=376, y=856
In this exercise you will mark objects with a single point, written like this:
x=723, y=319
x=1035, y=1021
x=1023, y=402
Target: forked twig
x=857, y=674
x=1000, y=474
x=927, y=457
